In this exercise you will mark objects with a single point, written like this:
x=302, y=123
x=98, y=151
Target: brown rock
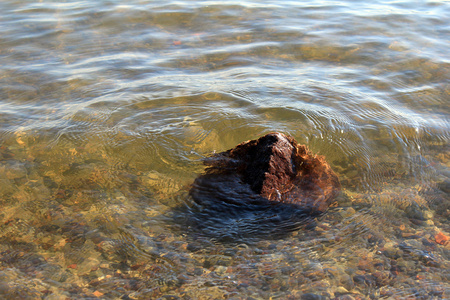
x=273, y=168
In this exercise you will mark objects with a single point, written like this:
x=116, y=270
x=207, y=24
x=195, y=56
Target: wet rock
x=311, y=296
x=444, y=186
x=347, y=212
x=364, y=280
x=15, y=169
x=428, y=214
x=274, y=168
x=87, y=265
x=344, y=200
x=169, y=297
x=220, y=270
x=341, y=290
x=344, y=297
x=346, y=281
x=415, y=212
x=382, y=278
x=193, y=247
x=375, y=239
x=264, y=188
x=391, y=251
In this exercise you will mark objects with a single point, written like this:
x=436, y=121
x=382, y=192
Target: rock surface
x=272, y=168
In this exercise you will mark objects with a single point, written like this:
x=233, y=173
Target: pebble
x=429, y=223
x=341, y=290
x=14, y=169
x=221, y=270
x=88, y=265
x=445, y=185
x=311, y=296
x=344, y=297
x=391, y=252
x=347, y=212
x=413, y=211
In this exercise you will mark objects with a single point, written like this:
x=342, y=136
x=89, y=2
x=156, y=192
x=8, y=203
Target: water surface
x=107, y=110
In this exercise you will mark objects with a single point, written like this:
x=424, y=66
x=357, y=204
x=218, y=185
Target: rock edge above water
x=272, y=168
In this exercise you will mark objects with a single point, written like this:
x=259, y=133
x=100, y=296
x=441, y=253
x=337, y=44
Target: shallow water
x=108, y=109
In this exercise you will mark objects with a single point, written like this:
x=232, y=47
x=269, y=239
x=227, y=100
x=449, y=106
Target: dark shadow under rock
x=266, y=187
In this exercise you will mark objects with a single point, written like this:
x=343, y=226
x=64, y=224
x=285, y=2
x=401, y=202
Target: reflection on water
x=108, y=109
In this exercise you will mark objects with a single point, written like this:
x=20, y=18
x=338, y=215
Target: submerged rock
x=273, y=169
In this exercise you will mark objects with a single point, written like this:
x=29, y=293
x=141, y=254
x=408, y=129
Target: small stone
x=344, y=297
x=346, y=281
x=341, y=290
x=98, y=294
x=413, y=211
x=405, y=265
x=169, y=297
x=193, y=247
x=444, y=186
x=15, y=170
x=441, y=238
x=412, y=244
x=407, y=235
x=311, y=296
x=347, y=212
x=382, y=278
x=88, y=265
x=390, y=251
x=352, y=174
x=429, y=223
x=427, y=214
x=344, y=200
x=220, y=270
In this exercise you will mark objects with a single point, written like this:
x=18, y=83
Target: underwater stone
x=311, y=296
x=444, y=185
x=273, y=168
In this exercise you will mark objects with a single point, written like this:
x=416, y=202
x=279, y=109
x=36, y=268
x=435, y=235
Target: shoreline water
x=107, y=111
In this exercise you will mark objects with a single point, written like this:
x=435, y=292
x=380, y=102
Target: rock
x=15, y=169
x=221, y=270
x=444, y=186
x=346, y=281
x=414, y=212
x=341, y=290
x=382, y=278
x=344, y=297
x=274, y=168
x=428, y=214
x=347, y=212
x=88, y=264
x=311, y=296
x=192, y=247
x=261, y=189
x=344, y=200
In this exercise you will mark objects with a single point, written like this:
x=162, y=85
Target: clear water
x=107, y=109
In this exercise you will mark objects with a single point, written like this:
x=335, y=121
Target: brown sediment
x=274, y=167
